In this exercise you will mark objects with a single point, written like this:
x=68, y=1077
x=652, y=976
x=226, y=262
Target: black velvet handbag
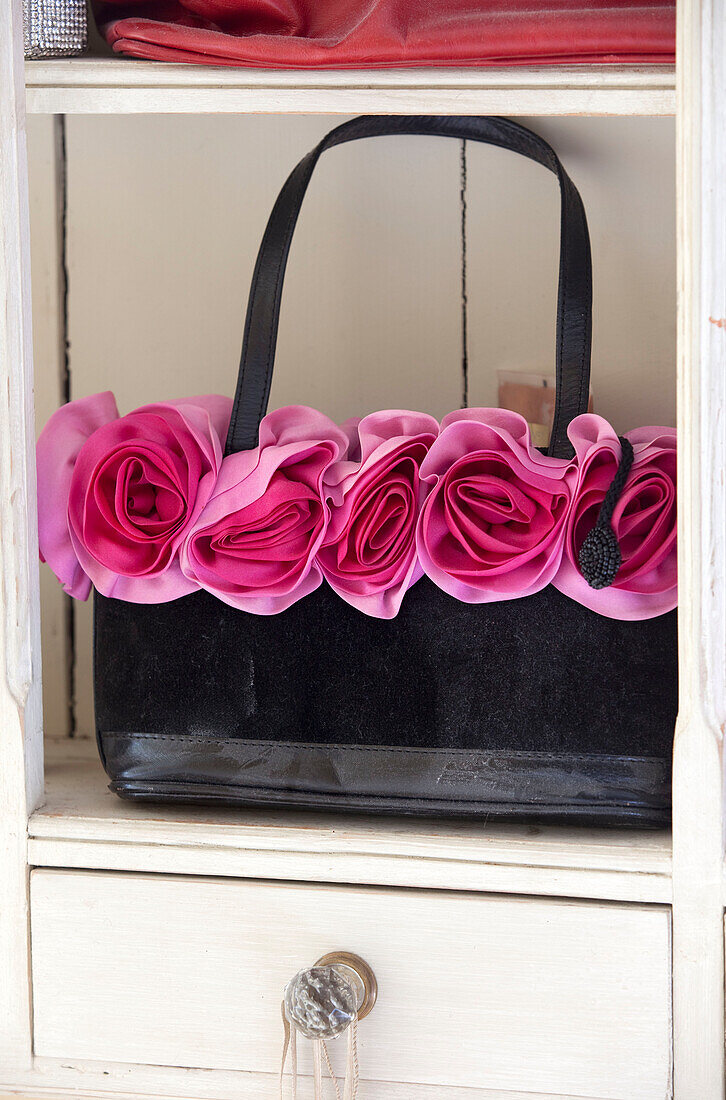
x=531, y=708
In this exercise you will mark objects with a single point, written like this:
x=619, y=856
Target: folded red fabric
x=339, y=34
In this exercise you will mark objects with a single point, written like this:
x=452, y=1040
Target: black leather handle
x=574, y=306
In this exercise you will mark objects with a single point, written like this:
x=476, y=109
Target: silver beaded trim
x=54, y=28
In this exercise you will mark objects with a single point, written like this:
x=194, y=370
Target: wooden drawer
x=479, y=991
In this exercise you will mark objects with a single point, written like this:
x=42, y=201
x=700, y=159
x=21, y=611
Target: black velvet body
x=539, y=675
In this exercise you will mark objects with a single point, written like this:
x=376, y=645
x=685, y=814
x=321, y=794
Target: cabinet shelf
x=114, y=85
x=83, y=825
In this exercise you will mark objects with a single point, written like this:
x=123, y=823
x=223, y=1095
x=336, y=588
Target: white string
x=353, y=1071
x=285, y=1048
x=317, y=1069
x=289, y=1044
x=330, y=1069
x=293, y=1059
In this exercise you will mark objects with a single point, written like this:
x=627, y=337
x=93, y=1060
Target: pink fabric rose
x=59, y=445
x=644, y=520
x=369, y=554
x=254, y=545
x=138, y=483
x=493, y=525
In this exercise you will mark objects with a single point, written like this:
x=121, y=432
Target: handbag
x=54, y=28
x=338, y=34
x=535, y=707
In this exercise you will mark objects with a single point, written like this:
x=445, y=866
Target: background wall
x=158, y=228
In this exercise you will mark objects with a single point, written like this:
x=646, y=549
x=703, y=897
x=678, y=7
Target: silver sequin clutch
x=54, y=28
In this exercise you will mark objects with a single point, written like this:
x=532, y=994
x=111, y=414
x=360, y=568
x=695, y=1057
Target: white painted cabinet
x=477, y=990
x=143, y=951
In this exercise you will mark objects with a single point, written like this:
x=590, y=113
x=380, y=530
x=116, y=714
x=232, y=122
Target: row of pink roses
x=145, y=507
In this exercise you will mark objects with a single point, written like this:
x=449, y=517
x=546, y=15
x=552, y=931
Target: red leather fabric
x=339, y=34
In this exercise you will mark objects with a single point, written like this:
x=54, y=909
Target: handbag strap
x=574, y=303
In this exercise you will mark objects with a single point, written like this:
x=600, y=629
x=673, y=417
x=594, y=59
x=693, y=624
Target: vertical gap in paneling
x=464, y=297
x=61, y=162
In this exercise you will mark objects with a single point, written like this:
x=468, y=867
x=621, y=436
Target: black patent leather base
x=592, y=789
x=533, y=708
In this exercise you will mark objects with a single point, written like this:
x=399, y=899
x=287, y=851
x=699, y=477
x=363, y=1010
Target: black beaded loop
x=600, y=557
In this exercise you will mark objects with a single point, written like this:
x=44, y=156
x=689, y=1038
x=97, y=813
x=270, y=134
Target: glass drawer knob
x=322, y=1001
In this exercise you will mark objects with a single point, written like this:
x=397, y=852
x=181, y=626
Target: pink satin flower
x=644, y=520
x=59, y=445
x=254, y=545
x=369, y=554
x=493, y=525
x=138, y=483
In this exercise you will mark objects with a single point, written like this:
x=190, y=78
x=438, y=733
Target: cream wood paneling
x=126, y=1082
x=21, y=745
x=45, y=166
x=698, y=775
x=165, y=216
x=625, y=172
x=475, y=990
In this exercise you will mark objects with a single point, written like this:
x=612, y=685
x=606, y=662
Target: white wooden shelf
x=114, y=85
x=82, y=824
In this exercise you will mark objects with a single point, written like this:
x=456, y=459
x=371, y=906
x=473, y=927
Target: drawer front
x=475, y=990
